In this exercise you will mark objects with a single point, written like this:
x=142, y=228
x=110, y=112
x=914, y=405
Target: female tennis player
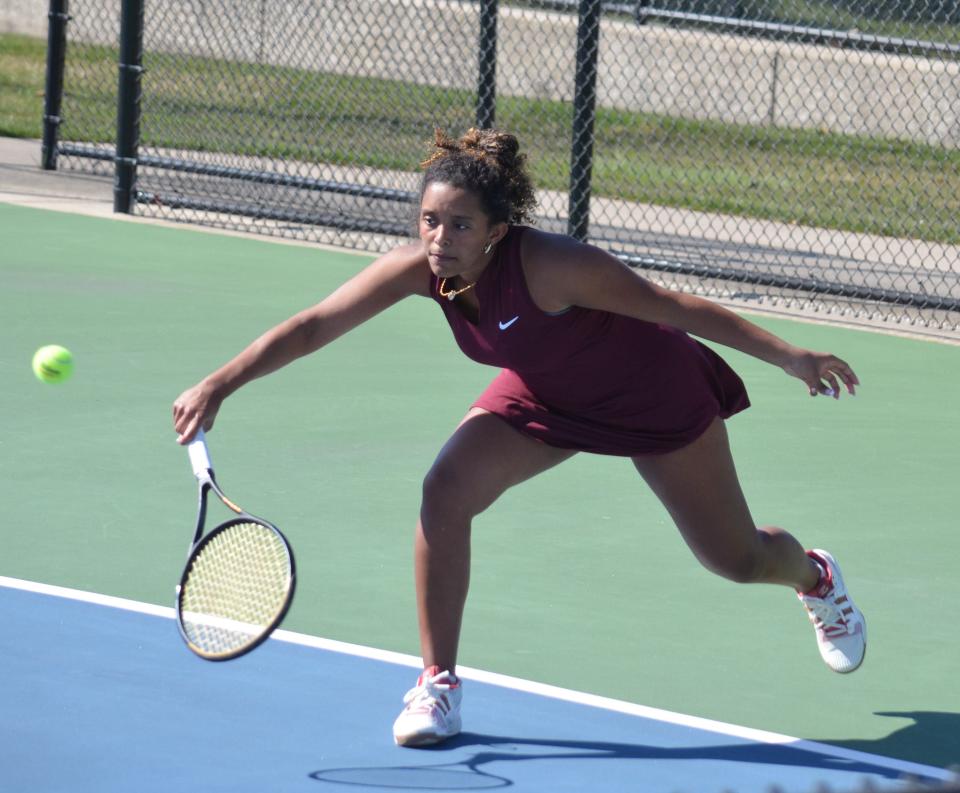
x=593, y=358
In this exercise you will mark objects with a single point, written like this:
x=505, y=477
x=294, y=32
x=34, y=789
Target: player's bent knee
x=743, y=568
x=447, y=494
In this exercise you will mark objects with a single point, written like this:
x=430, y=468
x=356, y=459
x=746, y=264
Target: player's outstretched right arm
x=392, y=277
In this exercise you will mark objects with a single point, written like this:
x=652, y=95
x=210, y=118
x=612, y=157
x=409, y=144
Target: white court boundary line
x=904, y=767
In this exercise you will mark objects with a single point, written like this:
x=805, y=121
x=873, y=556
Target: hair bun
x=501, y=146
x=489, y=162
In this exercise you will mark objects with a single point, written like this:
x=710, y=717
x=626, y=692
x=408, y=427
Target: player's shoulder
x=549, y=260
x=553, y=252
x=537, y=244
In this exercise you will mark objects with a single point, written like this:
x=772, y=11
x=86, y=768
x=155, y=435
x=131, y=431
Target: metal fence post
x=487, y=77
x=584, y=113
x=53, y=90
x=128, y=104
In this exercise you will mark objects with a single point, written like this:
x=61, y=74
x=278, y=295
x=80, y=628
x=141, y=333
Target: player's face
x=454, y=230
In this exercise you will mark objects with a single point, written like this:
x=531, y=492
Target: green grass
x=870, y=185
x=21, y=85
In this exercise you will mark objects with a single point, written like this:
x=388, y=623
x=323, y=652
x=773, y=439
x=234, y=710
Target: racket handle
x=200, y=456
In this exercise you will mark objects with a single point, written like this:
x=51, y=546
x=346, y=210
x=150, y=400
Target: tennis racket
x=239, y=578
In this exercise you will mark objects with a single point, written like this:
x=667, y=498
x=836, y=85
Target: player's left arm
x=566, y=273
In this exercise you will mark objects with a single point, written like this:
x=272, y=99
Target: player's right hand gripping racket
x=239, y=578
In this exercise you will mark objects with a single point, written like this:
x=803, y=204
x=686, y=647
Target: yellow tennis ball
x=53, y=363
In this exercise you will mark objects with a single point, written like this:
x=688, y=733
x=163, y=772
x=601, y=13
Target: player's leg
x=698, y=485
x=483, y=458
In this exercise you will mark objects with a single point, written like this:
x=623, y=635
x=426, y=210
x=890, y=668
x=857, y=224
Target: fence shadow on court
x=933, y=738
x=473, y=755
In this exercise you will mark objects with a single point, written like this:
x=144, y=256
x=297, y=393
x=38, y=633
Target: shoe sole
x=422, y=739
x=852, y=668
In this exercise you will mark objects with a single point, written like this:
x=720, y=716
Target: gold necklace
x=454, y=292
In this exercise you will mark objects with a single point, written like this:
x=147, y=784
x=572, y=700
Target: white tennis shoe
x=431, y=710
x=840, y=627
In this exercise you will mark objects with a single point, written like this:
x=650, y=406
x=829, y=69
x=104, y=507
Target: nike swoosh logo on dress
x=505, y=325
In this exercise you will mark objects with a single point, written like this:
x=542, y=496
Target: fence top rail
x=853, y=39
x=643, y=12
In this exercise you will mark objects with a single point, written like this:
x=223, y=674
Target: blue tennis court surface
x=101, y=695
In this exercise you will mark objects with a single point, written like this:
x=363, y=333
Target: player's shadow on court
x=926, y=736
x=480, y=762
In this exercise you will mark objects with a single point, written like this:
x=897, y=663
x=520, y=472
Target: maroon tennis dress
x=585, y=379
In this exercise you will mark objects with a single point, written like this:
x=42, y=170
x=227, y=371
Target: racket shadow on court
x=476, y=753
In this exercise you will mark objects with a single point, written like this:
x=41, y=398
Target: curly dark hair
x=486, y=162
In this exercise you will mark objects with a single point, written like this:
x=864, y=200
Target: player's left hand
x=823, y=373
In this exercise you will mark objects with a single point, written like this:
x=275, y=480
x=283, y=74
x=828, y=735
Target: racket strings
x=237, y=586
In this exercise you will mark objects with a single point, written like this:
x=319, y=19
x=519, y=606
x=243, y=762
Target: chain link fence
x=801, y=156
x=80, y=132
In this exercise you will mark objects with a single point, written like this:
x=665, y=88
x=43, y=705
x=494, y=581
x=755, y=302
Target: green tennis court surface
x=579, y=579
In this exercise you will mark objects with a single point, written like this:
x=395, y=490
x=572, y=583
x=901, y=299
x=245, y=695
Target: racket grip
x=200, y=456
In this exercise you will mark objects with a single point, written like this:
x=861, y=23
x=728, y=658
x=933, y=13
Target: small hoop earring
x=488, y=248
